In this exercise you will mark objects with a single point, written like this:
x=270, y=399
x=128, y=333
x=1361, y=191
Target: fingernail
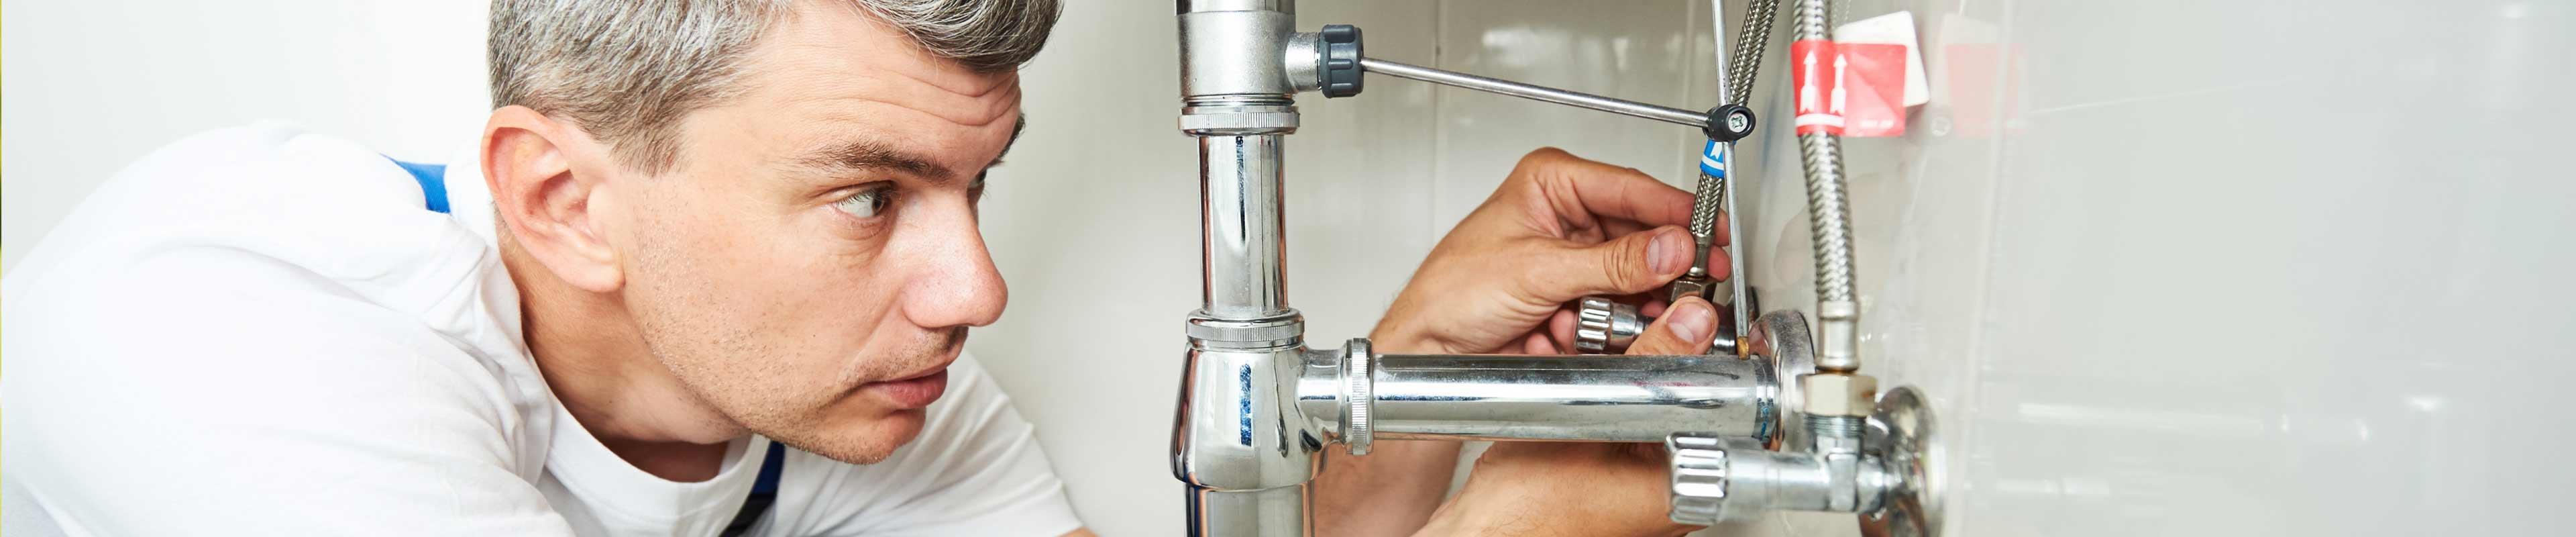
x=1668, y=253
x=1692, y=318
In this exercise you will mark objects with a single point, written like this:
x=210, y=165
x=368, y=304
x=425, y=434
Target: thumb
x=1630, y=264
x=1686, y=328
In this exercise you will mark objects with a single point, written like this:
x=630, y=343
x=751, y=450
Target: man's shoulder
x=271, y=279
x=315, y=212
x=325, y=203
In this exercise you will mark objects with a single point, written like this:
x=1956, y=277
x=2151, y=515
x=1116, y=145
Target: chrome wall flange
x=1781, y=337
x=1902, y=430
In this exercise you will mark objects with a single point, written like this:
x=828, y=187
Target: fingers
x=1629, y=264
x=1686, y=328
x=1615, y=227
x=1605, y=191
x=1561, y=325
x=1537, y=344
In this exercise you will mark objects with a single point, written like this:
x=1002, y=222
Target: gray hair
x=628, y=70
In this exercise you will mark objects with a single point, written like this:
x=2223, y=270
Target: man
x=709, y=271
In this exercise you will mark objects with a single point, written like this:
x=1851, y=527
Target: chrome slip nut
x=1359, y=400
x=1699, y=478
x=1603, y=326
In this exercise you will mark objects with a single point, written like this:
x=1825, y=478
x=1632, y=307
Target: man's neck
x=599, y=367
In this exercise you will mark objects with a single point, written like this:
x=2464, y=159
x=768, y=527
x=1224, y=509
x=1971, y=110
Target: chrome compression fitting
x=1755, y=427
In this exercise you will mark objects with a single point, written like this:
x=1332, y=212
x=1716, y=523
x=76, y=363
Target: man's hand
x=1560, y=228
x=1553, y=488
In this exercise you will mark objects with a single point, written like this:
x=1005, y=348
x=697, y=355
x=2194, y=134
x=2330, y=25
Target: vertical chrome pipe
x=1277, y=512
x=1240, y=442
x=1242, y=227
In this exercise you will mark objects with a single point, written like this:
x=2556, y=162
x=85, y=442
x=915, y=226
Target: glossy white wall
x=2221, y=268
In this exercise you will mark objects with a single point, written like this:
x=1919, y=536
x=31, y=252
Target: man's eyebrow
x=875, y=155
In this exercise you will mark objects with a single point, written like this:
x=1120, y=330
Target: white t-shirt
x=261, y=331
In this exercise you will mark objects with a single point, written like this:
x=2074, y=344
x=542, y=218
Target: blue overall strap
x=433, y=182
x=764, y=492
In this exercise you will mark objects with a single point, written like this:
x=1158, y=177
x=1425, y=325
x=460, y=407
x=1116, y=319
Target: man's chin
x=869, y=442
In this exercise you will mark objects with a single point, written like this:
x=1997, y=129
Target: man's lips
x=912, y=392
x=921, y=387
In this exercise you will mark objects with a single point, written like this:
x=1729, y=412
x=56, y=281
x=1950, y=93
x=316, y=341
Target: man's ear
x=545, y=199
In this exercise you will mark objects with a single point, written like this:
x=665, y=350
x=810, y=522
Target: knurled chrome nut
x=1831, y=394
x=1698, y=478
x=1605, y=326
x=1239, y=123
x=1282, y=329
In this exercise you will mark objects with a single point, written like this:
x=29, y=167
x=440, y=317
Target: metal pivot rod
x=1540, y=93
x=1724, y=122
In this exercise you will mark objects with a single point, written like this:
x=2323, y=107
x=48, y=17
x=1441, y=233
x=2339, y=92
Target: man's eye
x=868, y=202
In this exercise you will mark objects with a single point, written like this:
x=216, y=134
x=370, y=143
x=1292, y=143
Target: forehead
x=830, y=71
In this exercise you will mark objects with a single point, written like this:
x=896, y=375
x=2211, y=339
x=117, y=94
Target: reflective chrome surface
x=1242, y=231
x=1278, y=512
x=1238, y=426
x=1613, y=398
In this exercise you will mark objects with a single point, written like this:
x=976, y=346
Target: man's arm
x=1391, y=491
x=1558, y=229
x=163, y=398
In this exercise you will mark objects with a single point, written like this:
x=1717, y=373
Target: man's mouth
x=912, y=392
x=921, y=387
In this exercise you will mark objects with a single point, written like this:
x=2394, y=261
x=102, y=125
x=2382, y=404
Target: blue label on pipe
x=1243, y=406
x=1712, y=160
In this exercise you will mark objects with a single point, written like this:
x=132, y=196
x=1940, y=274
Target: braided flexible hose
x=1829, y=215
x=1829, y=220
x=1750, y=40
x=1703, y=222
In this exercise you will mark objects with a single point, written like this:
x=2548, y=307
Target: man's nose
x=955, y=284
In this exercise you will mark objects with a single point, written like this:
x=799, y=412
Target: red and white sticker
x=1872, y=89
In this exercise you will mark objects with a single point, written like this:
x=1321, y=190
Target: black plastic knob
x=1729, y=122
x=1340, y=71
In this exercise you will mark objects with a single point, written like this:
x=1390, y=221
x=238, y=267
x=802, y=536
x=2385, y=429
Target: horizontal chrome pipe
x=1696, y=119
x=1569, y=398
